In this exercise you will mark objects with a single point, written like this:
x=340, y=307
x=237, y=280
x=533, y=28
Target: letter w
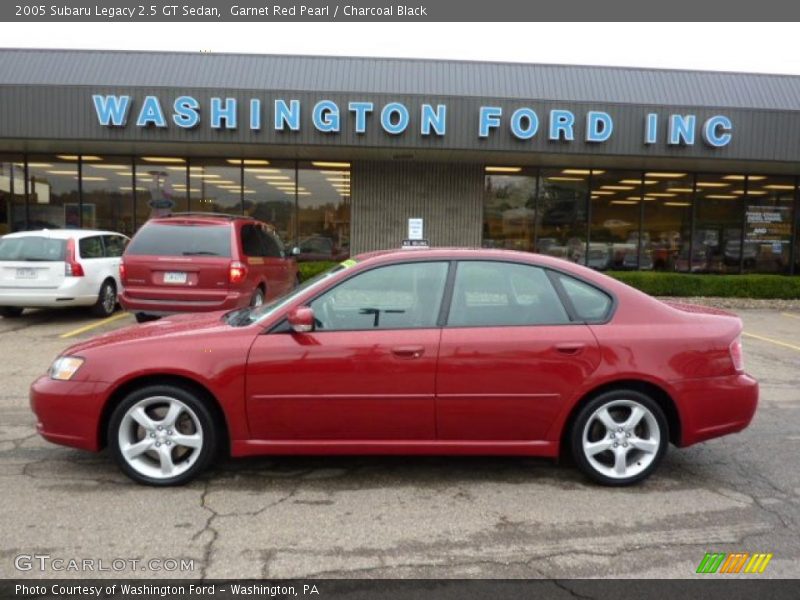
x=711, y=562
x=112, y=110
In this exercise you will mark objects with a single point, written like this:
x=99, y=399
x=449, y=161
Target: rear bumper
x=74, y=291
x=132, y=300
x=715, y=406
x=68, y=412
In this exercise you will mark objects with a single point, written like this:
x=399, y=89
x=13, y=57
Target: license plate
x=174, y=277
x=26, y=273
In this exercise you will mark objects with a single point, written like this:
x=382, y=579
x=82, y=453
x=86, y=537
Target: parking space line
x=91, y=326
x=791, y=316
x=771, y=341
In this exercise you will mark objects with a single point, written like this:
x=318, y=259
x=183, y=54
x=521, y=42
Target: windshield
x=32, y=248
x=161, y=239
x=248, y=316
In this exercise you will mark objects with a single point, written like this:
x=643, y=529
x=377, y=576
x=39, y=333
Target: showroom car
x=60, y=267
x=427, y=351
x=200, y=262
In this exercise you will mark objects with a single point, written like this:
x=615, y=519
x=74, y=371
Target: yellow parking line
x=791, y=316
x=771, y=341
x=91, y=326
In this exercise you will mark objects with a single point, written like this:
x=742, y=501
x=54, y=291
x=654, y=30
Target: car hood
x=167, y=327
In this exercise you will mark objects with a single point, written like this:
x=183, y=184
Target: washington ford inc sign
x=394, y=119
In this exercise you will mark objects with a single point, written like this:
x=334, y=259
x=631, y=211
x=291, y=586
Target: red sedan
x=433, y=351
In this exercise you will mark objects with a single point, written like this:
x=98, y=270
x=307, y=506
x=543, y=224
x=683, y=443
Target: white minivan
x=60, y=267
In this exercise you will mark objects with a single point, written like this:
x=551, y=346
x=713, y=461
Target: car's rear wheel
x=257, y=299
x=10, y=312
x=162, y=435
x=620, y=437
x=106, y=300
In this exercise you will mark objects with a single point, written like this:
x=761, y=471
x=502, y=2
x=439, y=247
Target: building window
x=274, y=199
x=218, y=185
x=12, y=194
x=719, y=216
x=667, y=221
x=509, y=211
x=769, y=203
x=107, y=193
x=562, y=225
x=323, y=210
x=615, y=199
x=160, y=187
x=53, y=198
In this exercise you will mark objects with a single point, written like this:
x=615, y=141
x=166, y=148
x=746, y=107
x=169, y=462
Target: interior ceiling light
x=581, y=172
x=331, y=165
x=665, y=175
x=110, y=166
x=503, y=169
x=163, y=159
x=711, y=184
x=617, y=187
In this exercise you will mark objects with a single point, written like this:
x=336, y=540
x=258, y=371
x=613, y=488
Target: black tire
x=144, y=317
x=207, y=426
x=615, y=400
x=257, y=299
x=11, y=312
x=106, y=303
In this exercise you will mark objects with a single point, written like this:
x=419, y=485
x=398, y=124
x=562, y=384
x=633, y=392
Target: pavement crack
x=209, y=528
x=561, y=585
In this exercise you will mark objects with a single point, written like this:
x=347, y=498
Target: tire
x=106, y=300
x=162, y=435
x=11, y=312
x=257, y=299
x=597, y=443
x=144, y=317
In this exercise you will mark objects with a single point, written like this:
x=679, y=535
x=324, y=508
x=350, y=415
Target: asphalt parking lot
x=403, y=517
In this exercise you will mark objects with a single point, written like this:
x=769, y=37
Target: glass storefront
x=562, y=210
x=323, y=210
x=53, y=196
x=107, y=193
x=12, y=194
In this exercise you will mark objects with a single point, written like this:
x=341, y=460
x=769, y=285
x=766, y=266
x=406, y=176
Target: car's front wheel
x=162, y=435
x=619, y=437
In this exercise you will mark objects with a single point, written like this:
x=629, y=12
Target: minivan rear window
x=163, y=239
x=32, y=248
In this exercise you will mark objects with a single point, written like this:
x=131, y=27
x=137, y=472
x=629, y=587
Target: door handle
x=570, y=347
x=408, y=351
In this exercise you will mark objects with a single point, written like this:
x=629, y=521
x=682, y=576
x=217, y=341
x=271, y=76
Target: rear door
x=32, y=262
x=509, y=356
x=91, y=254
x=282, y=268
x=114, y=248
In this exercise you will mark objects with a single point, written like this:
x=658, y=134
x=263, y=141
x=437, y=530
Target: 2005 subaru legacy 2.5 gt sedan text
x=430, y=351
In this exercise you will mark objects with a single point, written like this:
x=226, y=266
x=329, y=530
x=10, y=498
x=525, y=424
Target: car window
x=166, y=239
x=32, y=248
x=590, y=303
x=273, y=246
x=489, y=294
x=115, y=245
x=91, y=247
x=252, y=244
x=402, y=296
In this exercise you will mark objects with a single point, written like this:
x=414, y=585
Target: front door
x=509, y=354
x=367, y=371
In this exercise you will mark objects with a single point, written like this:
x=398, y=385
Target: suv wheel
x=619, y=438
x=106, y=300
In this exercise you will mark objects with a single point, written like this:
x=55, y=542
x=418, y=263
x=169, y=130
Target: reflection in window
x=108, y=193
x=509, y=211
x=12, y=194
x=53, y=201
x=219, y=186
x=323, y=210
x=615, y=199
x=718, y=223
x=768, y=223
x=160, y=187
x=667, y=225
x=274, y=199
x=562, y=218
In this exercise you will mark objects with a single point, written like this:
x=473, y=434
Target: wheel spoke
x=637, y=412
x=165, y=456
x=142, y=418
x=133, y=450
x=620, y=462
x=174, y=411
x=647, y=446
x=592, y=448
x=194, y=440
x=607, y=420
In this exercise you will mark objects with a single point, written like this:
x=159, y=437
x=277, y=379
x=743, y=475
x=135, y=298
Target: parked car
x=61, y=267
x=432, y=351
x=320, y=247
x=200, y=262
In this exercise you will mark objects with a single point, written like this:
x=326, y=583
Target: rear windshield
x=32, y=248
x=161, y=239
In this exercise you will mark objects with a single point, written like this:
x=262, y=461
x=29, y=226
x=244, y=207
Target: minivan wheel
x=162, y=435
x=144, y=317
x=257, y=299
x=619, y=438
x=11, y=312
x=106, y=300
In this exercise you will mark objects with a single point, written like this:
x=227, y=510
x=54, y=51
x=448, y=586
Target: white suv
x=60, y=267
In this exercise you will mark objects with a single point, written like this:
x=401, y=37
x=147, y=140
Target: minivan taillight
x=237, y=272
x=122, y=274
x=737, y=357
x=72, y=268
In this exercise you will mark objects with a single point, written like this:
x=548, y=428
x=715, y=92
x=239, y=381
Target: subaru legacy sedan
x=428, y=351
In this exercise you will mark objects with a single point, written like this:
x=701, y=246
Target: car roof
x=200, y=217
x=62, y=234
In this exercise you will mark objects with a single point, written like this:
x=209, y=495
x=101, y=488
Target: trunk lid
x=32, y=262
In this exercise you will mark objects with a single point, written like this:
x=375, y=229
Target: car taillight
x=737, y=357
x=237, y=272
x=72, y=268
x=122, y=274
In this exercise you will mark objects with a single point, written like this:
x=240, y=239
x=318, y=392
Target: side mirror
x=296, y=251
x=301, y=319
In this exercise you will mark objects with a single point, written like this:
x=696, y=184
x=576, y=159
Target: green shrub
x=726, y=286
x=309, y=269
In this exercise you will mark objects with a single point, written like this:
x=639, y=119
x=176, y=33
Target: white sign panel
x=415, y=229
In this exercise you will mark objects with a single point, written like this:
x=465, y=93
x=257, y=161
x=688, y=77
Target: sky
x=749, y=47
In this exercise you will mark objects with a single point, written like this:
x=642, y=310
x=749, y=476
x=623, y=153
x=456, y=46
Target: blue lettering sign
x=681, y=130
x=562, y=121
x=361, y=109
x=489, y=119
x=326, y=116
x=531, y=126
x=394, y=118
x=226, y=112
x=717, y=131
x=112, y=110
x=151, y=113
x=651, y=129
x=433, y=119
x=599, y=126
x=287, y=116
x=255, y=114
x=186, y=114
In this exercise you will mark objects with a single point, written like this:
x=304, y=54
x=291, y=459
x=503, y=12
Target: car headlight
x=65, y=367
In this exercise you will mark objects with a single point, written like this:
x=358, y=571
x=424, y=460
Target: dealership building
x=617, y=168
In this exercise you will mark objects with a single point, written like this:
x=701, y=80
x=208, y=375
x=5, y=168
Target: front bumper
x=68, y=412
x=715, y=406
